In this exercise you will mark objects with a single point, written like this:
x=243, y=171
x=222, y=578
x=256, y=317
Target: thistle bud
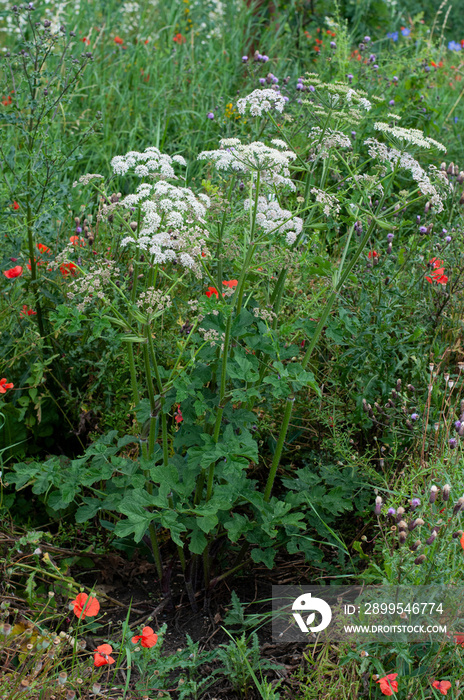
x=415, y=523
x=460, y=177
x=364, y=404
x=420, y=559
x=398, y=385
x=459, y=506
x=415, y=546
x=457, y=534
x=399, y=514
x=427, y=207
x=443, y=166
x=402, y=525
x=133, y=225
x=378, y=505
x=450, y=169
x=445, y=494
x=402, y=537
x=433, y=494
x=394, y=394
x=431, y=539
x=461, y=430
x=461, y=201
x=410, y=388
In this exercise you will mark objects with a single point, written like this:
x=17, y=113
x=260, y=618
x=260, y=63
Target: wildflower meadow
x=232, y=346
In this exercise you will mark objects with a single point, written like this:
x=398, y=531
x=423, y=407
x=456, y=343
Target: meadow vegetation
x=231, y=323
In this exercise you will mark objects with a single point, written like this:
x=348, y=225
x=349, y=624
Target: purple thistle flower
x=300, y=86
x=390, y=236
x=210, y=115
x=265, y=59
x=448, y=239
x=367, y=39
x=391, y=511
x=333, y=45
x=262, y=81
x=391, y=103
x=244, y=59
x=312, y=88
x=457, y=424
x=78, y=229
x=452, y=442
x=422, y=229
x=414, y=416
x=415, y=502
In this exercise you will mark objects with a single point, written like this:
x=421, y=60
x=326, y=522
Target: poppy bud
x=431, y=539
x=415, y=546
x=420, y=559
x=402, y=525
x=445, y=494
x=402, y=537
x=378, y=505
x=459, y=506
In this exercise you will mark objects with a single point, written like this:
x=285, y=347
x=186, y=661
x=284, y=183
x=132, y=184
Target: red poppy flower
x=179, y=39
x=15, y=205
x=442, y=686
x=148, y=637
x=6, y=101
x=210, y=291
x=118, y=40
x=102, y=655
x=373, y=254
x=230, y=283
x=43, y=248
x=27, y=312
x=85, y=606
x=68, y=269
x=459, y=639
x=178, y=418
x=437, y=273
x=76, y=240
x=388, y=685
x=4, y=385
x=13, y=272
x=86, y=41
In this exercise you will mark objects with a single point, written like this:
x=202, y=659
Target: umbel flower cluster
x=172, y=217
x=273, y=219
x=260, y=101
x=271, y=163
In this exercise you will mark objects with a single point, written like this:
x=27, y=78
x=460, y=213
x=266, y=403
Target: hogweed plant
x=220, y=270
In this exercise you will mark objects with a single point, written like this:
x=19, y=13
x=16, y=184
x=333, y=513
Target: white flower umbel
x=272, y=218
x=413, y=136
x=329, y=202
x=392, y=157
x=151, y=163
x=171, y=223
x=153, y=302
x=323, y=141
x=271, y=163
x=260, y=101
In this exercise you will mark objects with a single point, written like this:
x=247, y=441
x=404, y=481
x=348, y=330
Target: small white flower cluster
x=392, y=157
x=169, y=228
x=325, y=139
x=264, y=314
x=85, y=179
x=212, y=336
x=414, y=136
x=91, y=284
x=353, y=98
x=260, y=101
x=151, y=163
x=273, y=164
x=372, y=182
x=329, y=201
x=153, y=302
x=272, y=218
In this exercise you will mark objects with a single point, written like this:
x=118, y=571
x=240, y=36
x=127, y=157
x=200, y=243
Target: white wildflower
x=329, y=201
x=273, y=164
x=414, y=136
x=260, y=101
x=273, y=219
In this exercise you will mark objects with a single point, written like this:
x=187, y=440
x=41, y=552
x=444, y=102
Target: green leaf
x=198, y=541
x=266, y=556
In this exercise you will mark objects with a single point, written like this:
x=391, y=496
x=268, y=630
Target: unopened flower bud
x=415, y=546
x=418, y=522
x=445, y=494
x=459, y=506
x=420, y=559
x=431, y=539
x=433, y=494
x=378, y=505
x=402, y=525
x=457, y=534
x=402, y=537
